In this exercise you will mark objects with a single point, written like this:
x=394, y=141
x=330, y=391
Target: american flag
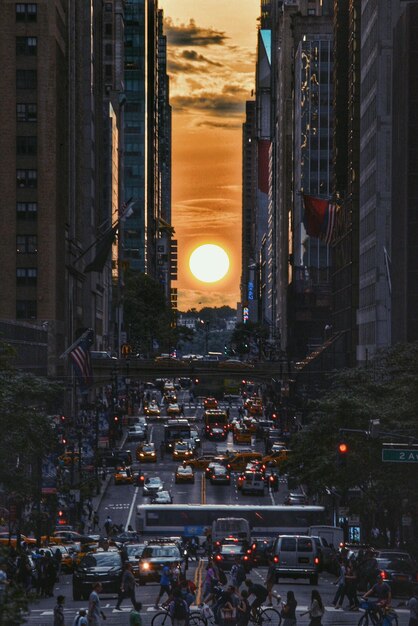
x=80, y=356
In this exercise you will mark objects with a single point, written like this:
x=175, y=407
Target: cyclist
x=382, y=591
x=259, y=592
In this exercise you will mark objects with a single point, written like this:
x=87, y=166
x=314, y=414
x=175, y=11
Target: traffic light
x=225, y=349
x=342, y=454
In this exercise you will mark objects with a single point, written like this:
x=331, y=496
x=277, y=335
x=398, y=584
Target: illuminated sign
x=250, y=290
x=245, y=314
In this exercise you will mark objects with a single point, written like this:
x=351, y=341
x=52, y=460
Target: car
x=401, y=574
x=252, y=482
x=184, y=474
x=326, y=554
x=195, y=437
x=182, y=451
x=69, y=458
x=220, y=476
x=256, y=408
x=103, y=567
x=241, y=435
x=226, y=554
x=123, y=476
x=146, y=453
x=217, y=432
x=101, y=354
x=237, y=462
x=295, y=556
x=272, y=478
x=152, y=410
x=8, y=539
x=261, y=551
x=278, y=456
x=127, y=536
x=295, y=499
x=152, y=485
x=134, y=551
x=174, y=409
x=136, y=433
x=154, y=557
x=66, y=537
x=210, y=403
x=67, y=560
x=163, y=497
x=263, y=428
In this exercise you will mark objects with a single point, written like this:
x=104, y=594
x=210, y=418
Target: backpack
x=222, y=577
x=180, y=609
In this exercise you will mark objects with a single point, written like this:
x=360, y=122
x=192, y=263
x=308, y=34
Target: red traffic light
x=342, y=448
x=116, y=418
x=60, y=513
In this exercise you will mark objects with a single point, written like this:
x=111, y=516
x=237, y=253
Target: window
x=26, y=275
x=108, y=30
x=108, y=71
x=26, y=79
x=26, y=46
x=304, y=545
x=26, y=146
x=288, y=545
x=27, y=210
x=25, y=309
x=26, y=12
x=26, y=244
x=108, y=6
x=26, y=179
x=26, y=112
x=108, y=50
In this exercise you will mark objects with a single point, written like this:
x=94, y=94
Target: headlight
x=152, y=453
x=141, y=454
x=145, y=566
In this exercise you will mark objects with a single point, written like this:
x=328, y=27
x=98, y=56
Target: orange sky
x=211, y=52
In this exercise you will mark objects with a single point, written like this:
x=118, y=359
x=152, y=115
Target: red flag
x=319, y=218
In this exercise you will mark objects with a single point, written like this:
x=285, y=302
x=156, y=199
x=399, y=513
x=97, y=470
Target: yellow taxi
x=146, y=453
x=173, y=409
x=184, y=474
x=63, y=537
x=153, y=410
x=210, y=403
x=6, y=539
x=201, y=462
x=69, y=457
x=256, y=408
x=241, y=435
x=250, y=423
x=182, y=451
x=123, y=476
x=67, y=561
x=276, y=457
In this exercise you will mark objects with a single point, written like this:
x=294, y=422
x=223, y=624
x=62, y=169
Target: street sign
x=400, y=455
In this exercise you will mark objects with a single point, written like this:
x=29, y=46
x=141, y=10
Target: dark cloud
x=235, y=90
x=192, y=35
x=224, y=125
x=192, y=55
x=217, y=103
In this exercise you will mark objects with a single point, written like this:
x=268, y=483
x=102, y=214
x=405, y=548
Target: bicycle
x=263, y=617
x=163, y=618
x=376, y=615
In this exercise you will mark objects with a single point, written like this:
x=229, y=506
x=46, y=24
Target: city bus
x=196, y=519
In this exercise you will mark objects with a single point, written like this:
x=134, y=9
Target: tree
x=247, y=337
x=380, y=492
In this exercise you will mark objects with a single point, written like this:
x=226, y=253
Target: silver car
x=152, y=486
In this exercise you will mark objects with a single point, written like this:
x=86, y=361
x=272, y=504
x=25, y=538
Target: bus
x=216, y=424
x=230, y=527
x=175, y=430
x=190, y=520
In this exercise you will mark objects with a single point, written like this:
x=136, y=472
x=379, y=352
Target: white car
x=136, y=433
x=152, y=486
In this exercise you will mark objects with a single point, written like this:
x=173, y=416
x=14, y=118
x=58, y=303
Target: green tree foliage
x=15, y=607
x=388, y=391
x=148, y=316
x=247, y=335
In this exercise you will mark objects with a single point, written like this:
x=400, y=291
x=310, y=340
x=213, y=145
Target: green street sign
x=400, y=455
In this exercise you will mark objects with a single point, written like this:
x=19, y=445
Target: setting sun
x=209, y=263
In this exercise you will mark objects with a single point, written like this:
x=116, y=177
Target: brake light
x=253, y=547
x=227, y=476
x=245, y=558
x=217, y=543
x=384, y=575
x=218, y=557
x=249, y=551
x=271, y=478
x=316, y=560
x=276, y=559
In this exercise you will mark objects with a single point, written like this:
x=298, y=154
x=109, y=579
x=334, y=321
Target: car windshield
x=101, y=559
x=135, y=550
x=161, y=552
x=185, y=470
x=231, y=549
x=182, y=446
x=153, y=481
x=398, y=565
x=149, y=447
x=219, y=469
x=394, y=556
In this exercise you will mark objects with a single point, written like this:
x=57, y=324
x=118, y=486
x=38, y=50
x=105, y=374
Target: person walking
x=165, y=584
x=81, y=618
x=178, y=609
x=108, y=525
x=316, y=610
x=270, y=581
x=289, y=610
x=413, y=610
x=340, y=593
x=95, y=614
x=351, y=587
x=243, y=609
x=211, y=579
x=127, y=587
x=59, y=612
x=95, y=524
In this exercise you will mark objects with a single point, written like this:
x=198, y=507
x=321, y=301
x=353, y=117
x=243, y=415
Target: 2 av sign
x=399, y=455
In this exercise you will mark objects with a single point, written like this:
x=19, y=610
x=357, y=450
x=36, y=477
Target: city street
x=119, y=501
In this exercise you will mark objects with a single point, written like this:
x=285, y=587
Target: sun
x=209, y=263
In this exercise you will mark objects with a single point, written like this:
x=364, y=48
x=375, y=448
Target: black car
x=134, y=551
x=227, y=553
x=261, y=551
x=400, y=574
x=272, y=478
x=154, y=557
x=97, y=567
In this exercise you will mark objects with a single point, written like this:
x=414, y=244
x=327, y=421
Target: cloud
x=192, y=55
x=198, y=299
x=209, y=215
x=220, y=103
x=226, y=125
x=190, y=34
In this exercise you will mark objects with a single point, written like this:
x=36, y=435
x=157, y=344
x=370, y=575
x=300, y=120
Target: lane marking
x=131, y=508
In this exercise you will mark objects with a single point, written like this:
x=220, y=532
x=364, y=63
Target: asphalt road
x=120, y=502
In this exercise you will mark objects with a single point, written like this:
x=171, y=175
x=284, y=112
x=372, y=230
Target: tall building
x=249, y=285
x=403, y=270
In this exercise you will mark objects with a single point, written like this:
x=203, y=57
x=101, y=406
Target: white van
x=333, y=534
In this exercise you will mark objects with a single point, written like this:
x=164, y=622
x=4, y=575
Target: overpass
x=105, y=370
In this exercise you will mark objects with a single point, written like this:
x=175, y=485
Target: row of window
x=26, y=12
x=26, y=275
x=26, y=46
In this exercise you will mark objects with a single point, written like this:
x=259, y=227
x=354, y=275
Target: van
x=295, y=556
x=252, y=482
x=239, y=461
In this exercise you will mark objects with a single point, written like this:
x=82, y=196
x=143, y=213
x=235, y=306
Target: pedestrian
x=164, y=584
x=58, y=561
x=127, y=587
x=135, y=616
x=209, y=582
x=413, y=610
x=108, y=525
x=89, y=508
x=237, y=573
x=50, y=575
x=341, y=590
x=95, y=614
x=243, y=609
x=59, y=612
x=178, y=609
x=270, y=580
x=81, y=618
x=351, y=587
x=316, y=609
x=289, y=610
x=3, y=584
x=95, y=521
